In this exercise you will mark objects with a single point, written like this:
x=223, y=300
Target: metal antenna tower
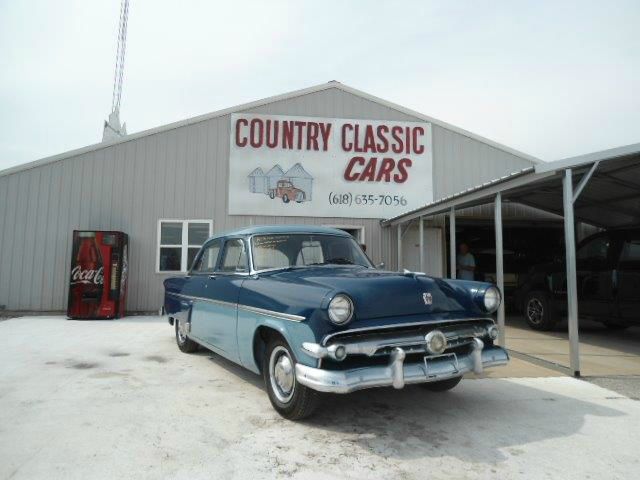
x=112, y=127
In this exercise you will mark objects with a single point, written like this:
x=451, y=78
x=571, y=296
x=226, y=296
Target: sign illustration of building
x=296, y=184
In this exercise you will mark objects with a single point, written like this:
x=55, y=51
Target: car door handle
x=212, y=277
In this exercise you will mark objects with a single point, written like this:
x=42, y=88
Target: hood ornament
x=427, y=298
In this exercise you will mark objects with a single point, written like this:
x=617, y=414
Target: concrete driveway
x=602, y=351
x=118, y=400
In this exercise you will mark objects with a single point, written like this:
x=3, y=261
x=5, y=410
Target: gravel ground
x=629, y=386
x=118, y=400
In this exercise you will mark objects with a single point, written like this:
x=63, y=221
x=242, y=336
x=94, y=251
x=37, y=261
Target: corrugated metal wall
x=181, y=174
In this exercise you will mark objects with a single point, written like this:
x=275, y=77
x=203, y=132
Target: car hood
x=378, y=293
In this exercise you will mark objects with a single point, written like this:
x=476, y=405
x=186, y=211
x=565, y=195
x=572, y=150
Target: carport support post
x=452, y=243
x=421, y=241
x=572, y=296
x=399, y=246
x=499, y=266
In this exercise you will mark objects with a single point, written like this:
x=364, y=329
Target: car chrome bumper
x=397, y=373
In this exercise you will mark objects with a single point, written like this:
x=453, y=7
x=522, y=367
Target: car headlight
x=340, y=309
x=492, y=299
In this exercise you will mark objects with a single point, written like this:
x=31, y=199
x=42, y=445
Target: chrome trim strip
x=326, y=339
x=202, y=299
x=259, y=311
x=271, y=313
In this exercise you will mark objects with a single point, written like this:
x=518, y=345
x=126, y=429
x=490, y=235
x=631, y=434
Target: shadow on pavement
x=473, y=422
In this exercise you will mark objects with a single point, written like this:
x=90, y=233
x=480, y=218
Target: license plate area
x=452, y=357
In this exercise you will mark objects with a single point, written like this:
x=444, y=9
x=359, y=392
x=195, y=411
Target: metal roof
x=259, y=103
x=611, y=197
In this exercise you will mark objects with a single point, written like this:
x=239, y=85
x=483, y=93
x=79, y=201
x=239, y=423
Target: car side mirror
x=380, y=266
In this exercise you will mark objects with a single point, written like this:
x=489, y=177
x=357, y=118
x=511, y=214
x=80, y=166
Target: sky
x=553, y=79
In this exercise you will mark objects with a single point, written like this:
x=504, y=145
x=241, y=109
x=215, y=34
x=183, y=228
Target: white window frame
x=361, y=236
x=184, y=247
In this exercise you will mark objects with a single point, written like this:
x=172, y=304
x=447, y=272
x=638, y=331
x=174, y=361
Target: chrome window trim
x=249, y=264
x=328, y=337
x=260, y=311
x=206, y=244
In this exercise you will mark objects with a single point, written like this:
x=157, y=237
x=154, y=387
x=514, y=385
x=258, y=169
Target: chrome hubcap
x=535, y=311
x=281, y=374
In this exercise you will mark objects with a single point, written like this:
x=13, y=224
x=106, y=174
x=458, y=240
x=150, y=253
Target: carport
x=601, y=189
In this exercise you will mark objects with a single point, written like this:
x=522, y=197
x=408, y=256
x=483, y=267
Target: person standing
x=466, y=263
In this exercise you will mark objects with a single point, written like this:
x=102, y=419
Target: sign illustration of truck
x=287, y=191
x=296, y=184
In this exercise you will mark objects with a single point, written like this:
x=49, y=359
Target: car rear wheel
x=289, y=398
x=272, y=195
x=442, y=385
x=185, y=344
x=285, y=198
x=539, y=312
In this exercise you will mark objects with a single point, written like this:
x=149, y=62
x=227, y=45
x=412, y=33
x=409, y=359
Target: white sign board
x=328, y=167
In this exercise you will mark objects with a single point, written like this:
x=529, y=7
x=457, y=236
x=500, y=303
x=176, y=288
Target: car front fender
x=250, y=327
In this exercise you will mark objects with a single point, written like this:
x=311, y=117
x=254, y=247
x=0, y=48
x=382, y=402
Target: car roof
x=275, y=229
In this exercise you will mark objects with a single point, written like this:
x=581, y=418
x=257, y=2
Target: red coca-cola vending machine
x=98, y=279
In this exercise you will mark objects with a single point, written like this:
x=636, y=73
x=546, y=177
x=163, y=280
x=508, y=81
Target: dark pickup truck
x=608, y=274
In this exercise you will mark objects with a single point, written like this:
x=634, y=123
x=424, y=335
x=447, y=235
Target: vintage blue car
x=305, y=307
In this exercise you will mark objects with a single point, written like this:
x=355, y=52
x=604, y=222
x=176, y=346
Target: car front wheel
x=289, y=398
x=185, y=344
x=539, y=312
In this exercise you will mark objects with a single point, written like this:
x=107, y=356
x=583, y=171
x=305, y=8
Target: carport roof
x=609, y=199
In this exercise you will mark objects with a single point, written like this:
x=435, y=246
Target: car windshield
x=301, y=250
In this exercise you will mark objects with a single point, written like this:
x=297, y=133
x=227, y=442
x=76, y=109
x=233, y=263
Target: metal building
x=153, y=183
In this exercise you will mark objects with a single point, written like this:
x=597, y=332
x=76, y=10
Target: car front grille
x=374, y=346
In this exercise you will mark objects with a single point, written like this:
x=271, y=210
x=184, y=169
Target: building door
x=432, y=250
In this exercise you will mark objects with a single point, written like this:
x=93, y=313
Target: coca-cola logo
x=78, y=275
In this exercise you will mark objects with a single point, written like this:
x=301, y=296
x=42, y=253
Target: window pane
x=191, y=255
x=170, y=259
x=171, y=233
x=234, y=258
x=631, y=251
x=208, y=259
x=287, y=250
x=198, y=233
x=596, y=249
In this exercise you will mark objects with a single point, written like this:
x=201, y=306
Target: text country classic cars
x=387, y=148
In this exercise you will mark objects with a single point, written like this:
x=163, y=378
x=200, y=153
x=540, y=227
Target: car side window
x=595, y=252
x=207, y=261
x=234, y=257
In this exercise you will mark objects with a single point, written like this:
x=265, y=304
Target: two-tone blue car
x=305, y=307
